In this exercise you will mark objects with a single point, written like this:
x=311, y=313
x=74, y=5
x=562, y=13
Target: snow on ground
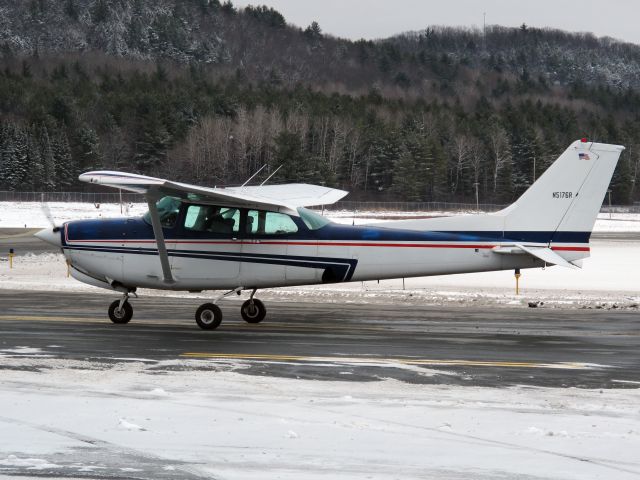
x=220, y=423
x=33, y=215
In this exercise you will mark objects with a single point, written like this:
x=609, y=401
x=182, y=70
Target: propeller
x=44, y=206
x=51, y=234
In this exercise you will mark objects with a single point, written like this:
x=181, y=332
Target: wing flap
x=299, y=194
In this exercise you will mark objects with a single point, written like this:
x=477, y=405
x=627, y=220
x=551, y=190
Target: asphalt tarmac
x=22, y=241
x=345, y=342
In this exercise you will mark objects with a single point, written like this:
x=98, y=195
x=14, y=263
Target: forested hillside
x=202, y=91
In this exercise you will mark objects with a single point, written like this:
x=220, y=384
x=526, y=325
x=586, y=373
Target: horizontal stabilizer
x=543, y=253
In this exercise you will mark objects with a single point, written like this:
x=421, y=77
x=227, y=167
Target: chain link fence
x=126, y=197
x=415, y=206
x=72, y=197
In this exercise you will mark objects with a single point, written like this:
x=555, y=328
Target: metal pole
x=534, y=169
x=477, y=203
x=157, y=232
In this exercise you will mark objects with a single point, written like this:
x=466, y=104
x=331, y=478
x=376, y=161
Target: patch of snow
x=27, y=463
x=31, y=214
x=22, y=350
x=159, y=392
x=129, y=426
x=630, y=382
x=325, y=429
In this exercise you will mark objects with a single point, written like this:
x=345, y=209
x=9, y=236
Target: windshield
x=312, y=220
x=168, y=209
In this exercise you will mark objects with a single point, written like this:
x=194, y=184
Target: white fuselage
x=226, y=263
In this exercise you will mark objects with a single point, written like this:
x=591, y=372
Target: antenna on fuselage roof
x=251, y=177
x=274, y=172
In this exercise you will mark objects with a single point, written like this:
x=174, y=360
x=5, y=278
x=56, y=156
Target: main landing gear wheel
x=208, y=316
x=253, y=311
x=119, y=314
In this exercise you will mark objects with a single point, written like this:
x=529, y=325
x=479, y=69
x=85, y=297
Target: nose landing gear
x=253, y=310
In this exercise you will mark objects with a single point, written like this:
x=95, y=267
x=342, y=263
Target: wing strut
x=157, y=232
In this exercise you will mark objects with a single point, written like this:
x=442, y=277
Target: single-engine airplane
x=248, y=238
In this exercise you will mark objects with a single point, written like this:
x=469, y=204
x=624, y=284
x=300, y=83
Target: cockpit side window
x=269, y=223
x=210, y=218
x=168, y=210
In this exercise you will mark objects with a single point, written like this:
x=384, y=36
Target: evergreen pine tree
x=34, y=160
x=88, y=144
x=383, y=153
x=404, y=183
x=48, y=161
x=439, y=187
x=21, y=167
x=288, y=155
x=65, y=168
x=13, y=163
x=5, y=155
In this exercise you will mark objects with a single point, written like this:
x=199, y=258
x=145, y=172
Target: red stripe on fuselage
x=322, y=244
x=572, y=249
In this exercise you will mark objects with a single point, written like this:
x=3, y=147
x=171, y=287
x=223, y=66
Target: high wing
x=278, y=198
x=281, y=198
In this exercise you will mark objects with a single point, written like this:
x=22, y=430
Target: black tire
x=253, y=311
x=118, y=315
x=209, y=316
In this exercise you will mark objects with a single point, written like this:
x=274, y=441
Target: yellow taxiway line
x=385, y=361
x=47, y=318
x=329, y=359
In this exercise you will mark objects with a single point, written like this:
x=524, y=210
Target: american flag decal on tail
x=584, y=156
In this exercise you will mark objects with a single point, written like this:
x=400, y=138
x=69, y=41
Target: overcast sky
x=382, y=18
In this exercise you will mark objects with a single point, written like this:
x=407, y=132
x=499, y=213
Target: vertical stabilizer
x=568, y=196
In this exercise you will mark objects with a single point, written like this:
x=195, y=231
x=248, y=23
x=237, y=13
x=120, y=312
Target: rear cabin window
x=269, y=223
x=209, y=218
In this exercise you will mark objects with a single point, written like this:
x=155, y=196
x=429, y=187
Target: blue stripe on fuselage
x=342, y=268
x=138, y=229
